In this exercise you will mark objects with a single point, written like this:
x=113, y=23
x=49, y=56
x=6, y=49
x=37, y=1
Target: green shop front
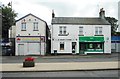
x=91, y=44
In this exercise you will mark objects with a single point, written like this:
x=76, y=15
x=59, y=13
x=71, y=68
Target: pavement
x=54, y=63
x=70, y=66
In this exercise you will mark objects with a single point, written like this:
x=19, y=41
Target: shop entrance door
x=82, y=48
x=73, y=47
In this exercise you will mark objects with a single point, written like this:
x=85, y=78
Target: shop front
x=91, y=44
x=30, y=45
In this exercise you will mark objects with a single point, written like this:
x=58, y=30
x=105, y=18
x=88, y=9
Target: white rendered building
x=80, y=35
x=31, y=36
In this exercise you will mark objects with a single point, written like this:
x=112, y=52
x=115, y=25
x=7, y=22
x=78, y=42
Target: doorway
x=73, y=47
x=82, y=47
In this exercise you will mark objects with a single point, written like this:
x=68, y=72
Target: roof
x=79, y=20
x=29, y=15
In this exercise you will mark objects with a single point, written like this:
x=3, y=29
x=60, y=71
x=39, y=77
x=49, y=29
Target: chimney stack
x=102, y=14
x=53, y=15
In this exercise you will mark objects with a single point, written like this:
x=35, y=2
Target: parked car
x=6, y=47
x=6, y=51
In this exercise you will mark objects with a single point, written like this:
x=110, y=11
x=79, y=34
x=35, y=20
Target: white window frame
x=23, y=26
x=62, y=30
x=35, y=26
x=98, y=30
x=81, y=30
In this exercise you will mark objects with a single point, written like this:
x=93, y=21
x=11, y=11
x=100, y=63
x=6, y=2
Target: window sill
x=98, y=35
x=35, y=30
x=80, y=35
x=23, y=30
x=63, y=34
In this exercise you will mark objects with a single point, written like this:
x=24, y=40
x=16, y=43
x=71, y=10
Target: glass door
x=82, y=48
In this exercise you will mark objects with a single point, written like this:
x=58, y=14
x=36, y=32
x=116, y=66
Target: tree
x=113, y=23
x=8, y=19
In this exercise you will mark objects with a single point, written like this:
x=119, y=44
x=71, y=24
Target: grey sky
x=66, y=8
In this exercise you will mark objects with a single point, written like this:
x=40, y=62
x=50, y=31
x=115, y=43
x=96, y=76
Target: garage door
x=33, y=49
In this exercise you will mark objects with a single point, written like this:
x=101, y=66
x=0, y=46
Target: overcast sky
x=63, y=8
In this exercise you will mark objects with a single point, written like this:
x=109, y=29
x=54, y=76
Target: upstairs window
x=62, y=30
x=23, y=26
x=98, y=30
x=80, y=30
x=35, y=26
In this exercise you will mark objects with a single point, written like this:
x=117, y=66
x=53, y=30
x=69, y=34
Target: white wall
x=73, y=30
x=29, y=27
x=72, y=37
x=107, y=38
x=29, y=30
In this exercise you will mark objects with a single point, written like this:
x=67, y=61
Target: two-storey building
x=31, y=36
x=80, y=35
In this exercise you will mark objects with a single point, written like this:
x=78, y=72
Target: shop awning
x=91, y=39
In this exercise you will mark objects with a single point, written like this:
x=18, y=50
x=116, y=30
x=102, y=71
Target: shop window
x=90, y=46
x=98, y=46
x=61, y=46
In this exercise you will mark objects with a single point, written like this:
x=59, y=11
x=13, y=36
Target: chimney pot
x=53, y=15
x=102, y=14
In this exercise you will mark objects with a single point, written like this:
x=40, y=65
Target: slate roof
x=79, y=20
x=31, y=15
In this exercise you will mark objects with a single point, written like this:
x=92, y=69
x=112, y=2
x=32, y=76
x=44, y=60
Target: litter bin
x=55, y=52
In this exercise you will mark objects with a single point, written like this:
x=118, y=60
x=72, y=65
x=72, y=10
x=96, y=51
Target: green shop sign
x=91, y=39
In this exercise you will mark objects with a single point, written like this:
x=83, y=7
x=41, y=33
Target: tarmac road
x=105, y=73
x=62, y=58
x=111, y=74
